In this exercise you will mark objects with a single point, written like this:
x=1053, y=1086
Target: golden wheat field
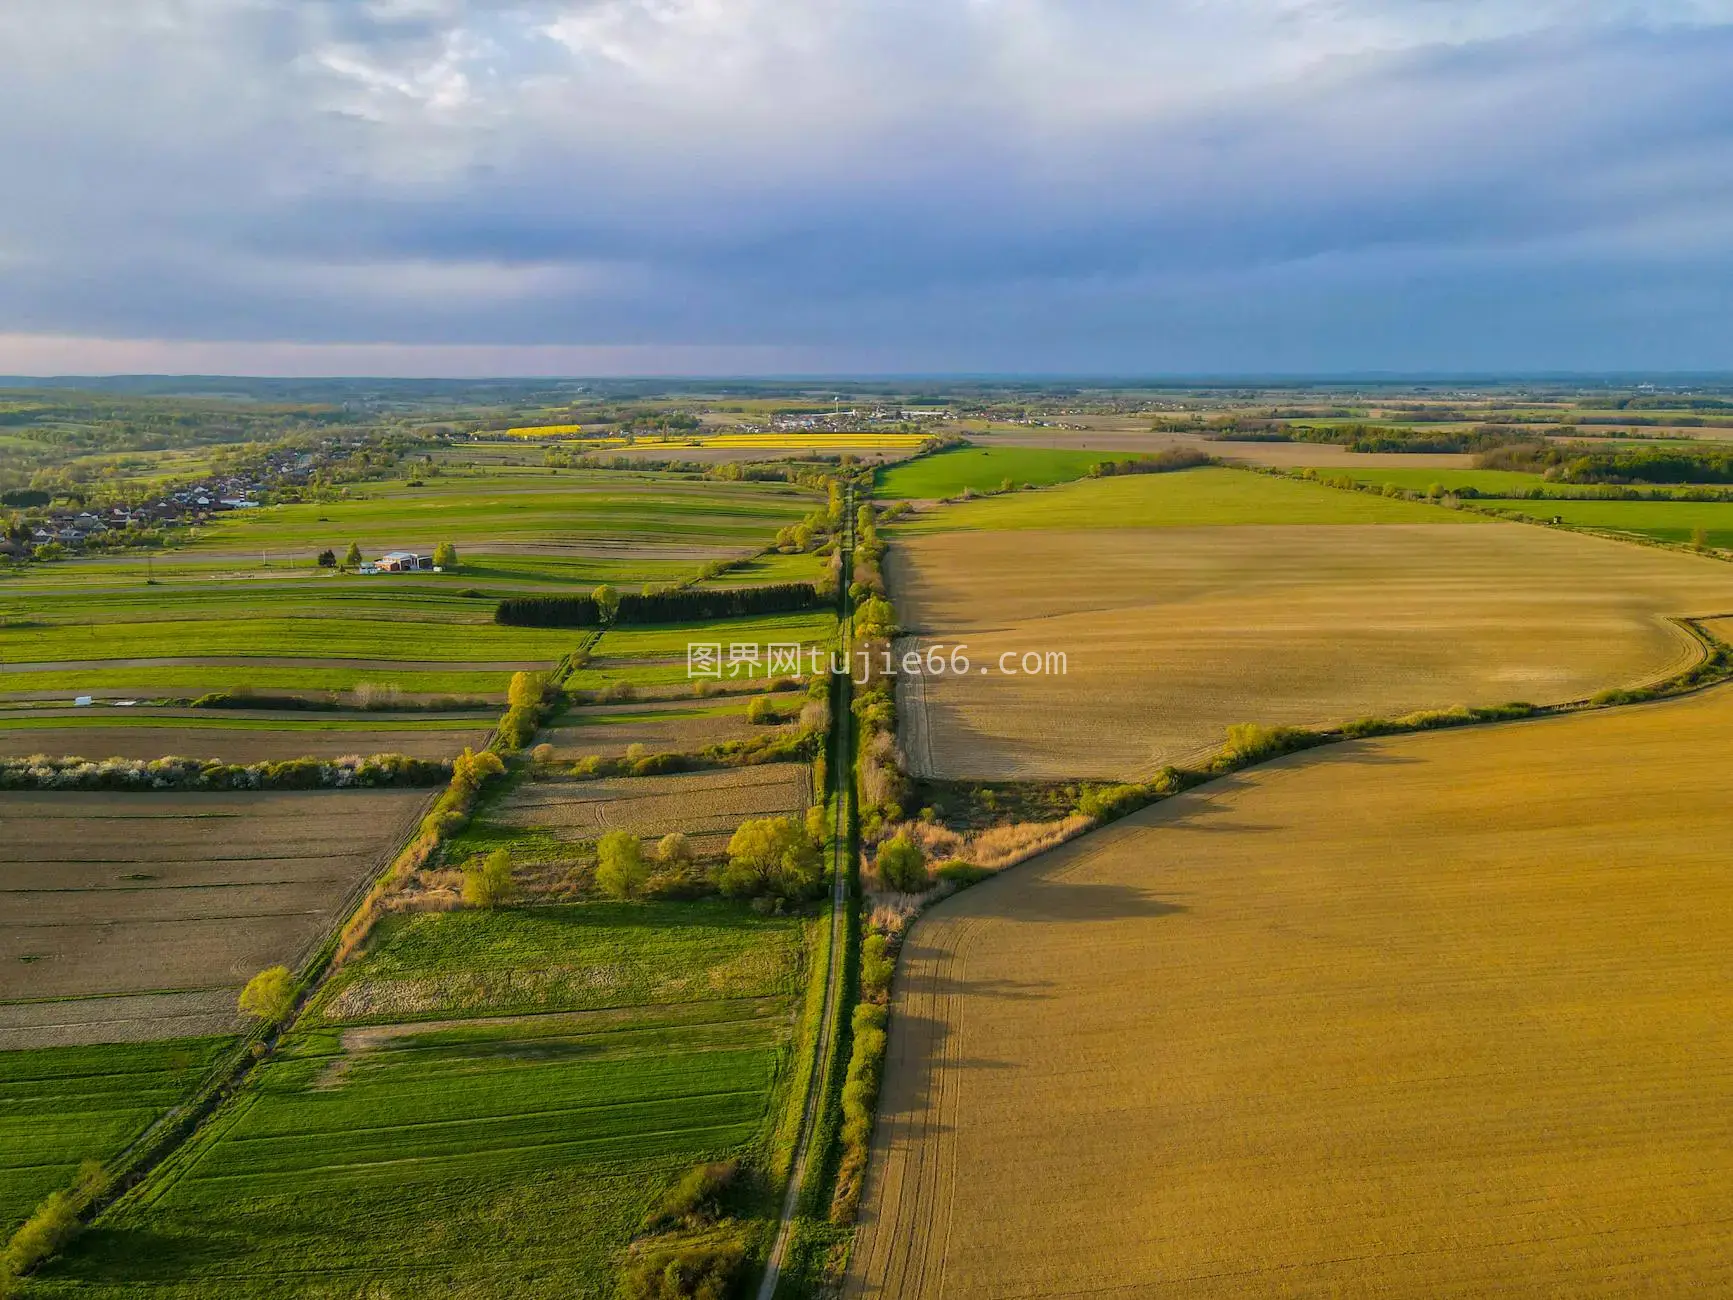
x=1438, y=1015
x=1173, y=634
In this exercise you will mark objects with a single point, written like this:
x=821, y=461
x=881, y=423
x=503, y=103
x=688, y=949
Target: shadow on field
x=1043, y=898
x=916, y=1061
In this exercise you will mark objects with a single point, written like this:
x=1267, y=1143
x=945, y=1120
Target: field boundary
x=821, y=1078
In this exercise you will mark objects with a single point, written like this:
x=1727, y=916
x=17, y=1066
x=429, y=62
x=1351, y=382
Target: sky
x=590, y=187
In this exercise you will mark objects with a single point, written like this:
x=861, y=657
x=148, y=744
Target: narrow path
x=818, y=1084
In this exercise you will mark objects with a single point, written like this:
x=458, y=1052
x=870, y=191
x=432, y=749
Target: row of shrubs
x=470, y=772
x=377, y=771
x=866, y=1060
x=54, y=1223
x=685, y=605
x=1161, y=462
x=775, y=858
x=690, y=1247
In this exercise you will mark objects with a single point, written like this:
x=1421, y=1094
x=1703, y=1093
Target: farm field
x=126, y=917
x=982, y=469
x=613, y=514
x=707, y=806
x=1210, y=496
x=563, y=1066
x=656, y=655
x=1667, y=521
x=1123, y=441
x=1437, y=1015
x=244, y=605
x=247, y=736
x=60, y=1106
x=671, y=727
x=1181, y=632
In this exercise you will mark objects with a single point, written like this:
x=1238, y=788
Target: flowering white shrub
x=41, y=772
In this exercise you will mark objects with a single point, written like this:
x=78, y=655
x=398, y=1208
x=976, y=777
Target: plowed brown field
x=134, y=916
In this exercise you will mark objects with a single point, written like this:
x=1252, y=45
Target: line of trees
x=687, y=605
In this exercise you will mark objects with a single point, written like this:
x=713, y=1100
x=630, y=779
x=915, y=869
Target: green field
x=657, y=656
x=983, y=469
x=1183, y=499
x=246, y=593
x=568, y=1063
x=547, y=511
x=1666, y=521
x=1489, y=482
x=63, y=1105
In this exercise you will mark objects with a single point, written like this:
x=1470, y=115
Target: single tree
x=620, y=867
x=526, y=690
x=445, y=556
x=269, y=994
x=1700, y=539
x=674, y=851
x=771, y=855
x=327, y=559
x=901, y=864
x=487, y=881
x=352, y=556
x=607, y=602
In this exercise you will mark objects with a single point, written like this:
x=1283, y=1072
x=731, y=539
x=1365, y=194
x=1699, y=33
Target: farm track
x=842, y=851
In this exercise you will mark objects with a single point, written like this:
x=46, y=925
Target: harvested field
x=660, y=729
x=707, y=806
x=1437, y=1015
x=1172, y=635
x=108, y=897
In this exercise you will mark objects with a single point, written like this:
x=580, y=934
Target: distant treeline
x=1162, y=462
x=688, y=605
x=1365, y=437
x=1576, y=464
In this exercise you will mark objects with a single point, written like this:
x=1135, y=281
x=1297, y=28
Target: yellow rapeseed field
x=1444, y=1015
x=1173, y=634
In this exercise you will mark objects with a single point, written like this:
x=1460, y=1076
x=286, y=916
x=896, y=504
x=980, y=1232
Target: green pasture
x=480, y=1153
x=1666, y=521
x=985, y=469
x=1489, y=482
x=773, y=567
x=1183, y=499
x=549, y=511
x=60, y=1106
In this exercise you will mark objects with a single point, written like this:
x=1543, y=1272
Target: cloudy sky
x=777, y=186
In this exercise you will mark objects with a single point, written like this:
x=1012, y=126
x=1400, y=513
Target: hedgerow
x=687, y=605
x=351, y=772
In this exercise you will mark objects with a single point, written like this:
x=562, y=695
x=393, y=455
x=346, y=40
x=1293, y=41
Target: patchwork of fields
x=1434, y=1015
x=1284, y=604
x=487, y=1098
